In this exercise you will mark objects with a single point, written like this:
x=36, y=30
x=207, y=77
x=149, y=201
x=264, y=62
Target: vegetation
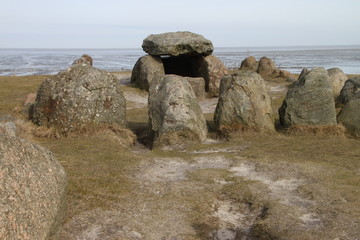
x=296, y=185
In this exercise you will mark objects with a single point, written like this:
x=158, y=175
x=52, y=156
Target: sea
x=21, y=62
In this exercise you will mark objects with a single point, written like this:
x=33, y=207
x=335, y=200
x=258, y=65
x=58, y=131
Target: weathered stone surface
x=304, y=71
x=337, y=80
x=175, y=117
x=212, y=70
x=309, y=101
x=350, y=117
x=84, y=59
x=146, y=69
x=77, y=97
x=245, y=102
x=32, y=189
x=350, y=91
x=249, y=63
x=28, y=104
x=9, y=128
x=177, y=43
x=198, y=86
x=266, y=66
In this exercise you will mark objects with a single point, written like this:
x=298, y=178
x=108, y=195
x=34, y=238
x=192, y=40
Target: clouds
x=116, y=24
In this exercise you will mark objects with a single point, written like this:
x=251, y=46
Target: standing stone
x=212, y=70
x=177, y=43
x=175, y=117
x=249, y=63
x=309, y=101
x=32, y=191
x=146, y=69
x=350, y=117
x=84, y=59
x=266, y=66
x=244, y=102
x=337, y=80
x=198, y=86
x=80, y=96
x=350, y=91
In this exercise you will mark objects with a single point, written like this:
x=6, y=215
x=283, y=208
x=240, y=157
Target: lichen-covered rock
x=198, y=86
x=32, y=191
x=244, y=102
x=337, y=80
x=249, y=63
x=350, y=117
x=309, y=101
x=177, y=43
x=175, y=117
x=84, y=59
x=77, y=97
x=350, y=91
x=266, y=66
x=212, y=70
x=146, y=69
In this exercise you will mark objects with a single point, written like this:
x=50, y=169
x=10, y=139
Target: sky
x=227, y=23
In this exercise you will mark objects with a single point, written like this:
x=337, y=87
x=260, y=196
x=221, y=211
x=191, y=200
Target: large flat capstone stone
x=177, y=43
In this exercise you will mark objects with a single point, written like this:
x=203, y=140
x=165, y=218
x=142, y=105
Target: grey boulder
x=337, y=80
x=177, y=43
x=146, y=69
x=309, y=101
x=77, y=97
x=244, y=102
x=350, y=91
x=212, y=70
x=266, y=66
x=32, y=191
x=175, y=117
x=350, y=117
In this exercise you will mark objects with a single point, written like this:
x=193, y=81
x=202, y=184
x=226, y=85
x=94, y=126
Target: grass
x=115, y=187
x=14, y=89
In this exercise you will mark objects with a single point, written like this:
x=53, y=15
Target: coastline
x=24, y=62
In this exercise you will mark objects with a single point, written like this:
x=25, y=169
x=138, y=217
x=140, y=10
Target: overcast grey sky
x=228, y=23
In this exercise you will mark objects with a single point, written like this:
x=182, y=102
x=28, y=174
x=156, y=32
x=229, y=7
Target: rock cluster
x=32, y=191
x=181, y=53
x=244, y=103
x=309, y=101
x=77, y=97
x=265, y=67
x=175, y=117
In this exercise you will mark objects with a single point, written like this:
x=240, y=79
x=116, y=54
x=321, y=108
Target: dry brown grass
x=323, y=131
x=106, y=180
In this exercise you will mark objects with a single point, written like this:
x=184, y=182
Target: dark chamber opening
x=186, y=66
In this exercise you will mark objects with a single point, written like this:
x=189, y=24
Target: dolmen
x=78, y=97
x=184, y=54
